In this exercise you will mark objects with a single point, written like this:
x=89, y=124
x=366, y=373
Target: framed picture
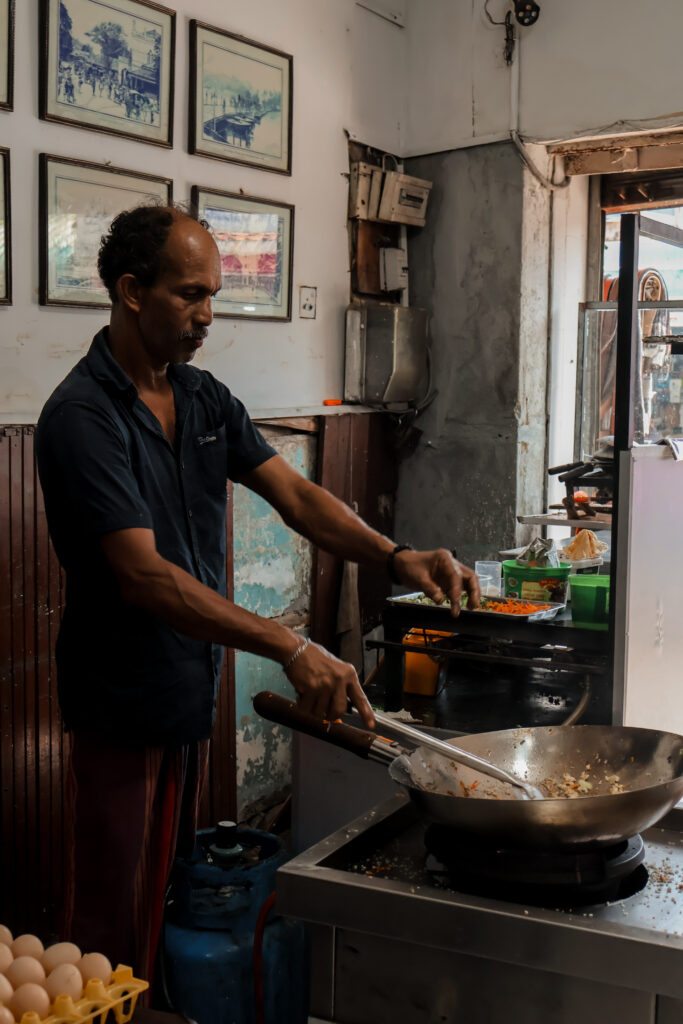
x=6, y=54
x=240, y=100
x=5, y=232
x=255, y=239
x=107, y=65
x=78, y=201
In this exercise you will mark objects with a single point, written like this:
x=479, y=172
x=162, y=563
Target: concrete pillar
x=480, y=266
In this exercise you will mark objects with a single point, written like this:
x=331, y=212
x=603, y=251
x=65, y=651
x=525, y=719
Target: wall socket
x=308, y=301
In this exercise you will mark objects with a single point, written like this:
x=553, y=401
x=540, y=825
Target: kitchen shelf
x=600, y=521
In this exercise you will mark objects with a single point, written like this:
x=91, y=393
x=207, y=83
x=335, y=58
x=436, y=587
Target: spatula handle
x=284, y=711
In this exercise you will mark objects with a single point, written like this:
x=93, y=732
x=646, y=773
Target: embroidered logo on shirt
x=206, y=439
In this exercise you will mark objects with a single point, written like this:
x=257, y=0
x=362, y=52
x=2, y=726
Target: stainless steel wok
x=648, y=764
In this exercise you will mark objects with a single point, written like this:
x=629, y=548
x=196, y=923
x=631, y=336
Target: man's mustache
x=198, y=335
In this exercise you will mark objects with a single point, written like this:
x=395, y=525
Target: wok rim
x=461, y=741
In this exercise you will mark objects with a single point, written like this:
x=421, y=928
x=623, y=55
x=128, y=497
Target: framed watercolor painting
x=5, y=231
x=108, y=65
x=6, y=54
x=255, y=239
x=78, y=201
x=240, y=100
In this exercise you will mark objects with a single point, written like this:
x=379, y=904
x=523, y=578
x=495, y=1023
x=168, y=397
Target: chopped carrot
x=510, y=607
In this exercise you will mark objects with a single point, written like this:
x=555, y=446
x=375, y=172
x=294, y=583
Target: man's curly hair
x=136, y=244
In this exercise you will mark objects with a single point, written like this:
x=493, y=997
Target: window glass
x=657, y=402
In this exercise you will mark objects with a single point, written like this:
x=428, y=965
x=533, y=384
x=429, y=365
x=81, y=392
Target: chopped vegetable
x=512, y=607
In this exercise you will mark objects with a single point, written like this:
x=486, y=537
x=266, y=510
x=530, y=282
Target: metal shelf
x=598, y=522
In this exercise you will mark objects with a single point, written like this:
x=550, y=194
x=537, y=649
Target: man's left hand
x=438, y=575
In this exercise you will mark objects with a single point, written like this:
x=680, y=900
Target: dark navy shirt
x=105, y=464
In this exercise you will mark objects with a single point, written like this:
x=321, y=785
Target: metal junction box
x=386, y=353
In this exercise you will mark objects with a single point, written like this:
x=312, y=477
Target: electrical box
x=386, y=353
x=389, y=196
x=393, y=269
x=365, y=190
x=404, y=199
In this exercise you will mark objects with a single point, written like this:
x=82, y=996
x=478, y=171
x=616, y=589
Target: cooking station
x=397, y=938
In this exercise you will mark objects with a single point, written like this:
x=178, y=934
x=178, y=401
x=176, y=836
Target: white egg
x=27, y=945
x=95, y=965
x=65, y=980
x=6, y=957
x=30, y=997
x=5, y=935
x=24, y=969
x=6, y=1016
x=6, y=989
x=60, y=953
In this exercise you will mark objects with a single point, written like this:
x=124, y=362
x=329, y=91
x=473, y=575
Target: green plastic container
x=590, y=601
x=534, y=583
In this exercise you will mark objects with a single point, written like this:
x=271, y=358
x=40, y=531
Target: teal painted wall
x=273, y=572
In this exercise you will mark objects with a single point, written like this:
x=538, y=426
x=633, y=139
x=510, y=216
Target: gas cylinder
x=214, y=904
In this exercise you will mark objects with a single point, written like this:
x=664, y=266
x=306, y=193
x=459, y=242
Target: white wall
x=587, y=65
x=348, y=66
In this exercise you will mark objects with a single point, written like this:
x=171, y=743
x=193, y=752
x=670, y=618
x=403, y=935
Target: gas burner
x=542, y=878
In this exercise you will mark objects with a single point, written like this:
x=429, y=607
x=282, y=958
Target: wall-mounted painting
x=107, y=65
x=6, y=54
x=240, y=100
x=78, y=202
x=255, y=239
x=5, y=232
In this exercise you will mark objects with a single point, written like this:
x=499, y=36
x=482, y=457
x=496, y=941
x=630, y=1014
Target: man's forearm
x=173, y=595
x=337, y=529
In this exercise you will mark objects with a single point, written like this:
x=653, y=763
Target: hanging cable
x=531, y=167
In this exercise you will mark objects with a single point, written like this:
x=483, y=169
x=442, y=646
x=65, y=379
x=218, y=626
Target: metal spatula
x=418, y=738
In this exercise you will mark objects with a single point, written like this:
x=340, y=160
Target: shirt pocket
x=211, y=460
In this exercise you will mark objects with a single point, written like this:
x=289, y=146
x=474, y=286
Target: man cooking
x=135, y=448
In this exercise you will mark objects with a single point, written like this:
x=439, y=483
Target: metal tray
x=548, y=612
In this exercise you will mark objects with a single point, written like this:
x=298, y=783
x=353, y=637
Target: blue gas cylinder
x=208, y=942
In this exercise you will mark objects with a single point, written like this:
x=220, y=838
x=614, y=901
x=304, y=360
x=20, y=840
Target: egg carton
x=99, y=1003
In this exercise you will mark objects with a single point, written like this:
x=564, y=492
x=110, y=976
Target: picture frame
x=240, y=100
x=6, y=54
x=5, y=230
x=255, y=239
x=108, y=66
x=78, y=201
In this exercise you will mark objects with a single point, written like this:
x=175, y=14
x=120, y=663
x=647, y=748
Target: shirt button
x=189, y=512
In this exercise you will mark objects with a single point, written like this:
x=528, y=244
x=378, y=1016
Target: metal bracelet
x=300, y=650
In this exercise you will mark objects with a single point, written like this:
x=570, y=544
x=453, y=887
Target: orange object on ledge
x=421, y=671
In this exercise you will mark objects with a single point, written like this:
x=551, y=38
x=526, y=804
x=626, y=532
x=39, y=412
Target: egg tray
x=99, y=1003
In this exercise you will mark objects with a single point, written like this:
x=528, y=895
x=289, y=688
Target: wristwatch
x=390, y=560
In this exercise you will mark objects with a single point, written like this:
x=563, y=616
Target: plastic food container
x=100, y=1004
x=590, y=601
x=537, y=583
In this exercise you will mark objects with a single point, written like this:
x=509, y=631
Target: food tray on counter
x=102, y=1004
x=546, y=610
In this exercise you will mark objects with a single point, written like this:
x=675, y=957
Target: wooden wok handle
x=284, y=711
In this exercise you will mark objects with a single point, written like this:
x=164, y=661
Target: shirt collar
x=107, y=371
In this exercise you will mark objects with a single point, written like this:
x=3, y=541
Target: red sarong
x=129, y=813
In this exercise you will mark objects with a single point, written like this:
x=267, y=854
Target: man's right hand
x=324, y=684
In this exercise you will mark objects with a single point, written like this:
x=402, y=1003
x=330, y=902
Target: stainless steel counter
x=390, y=944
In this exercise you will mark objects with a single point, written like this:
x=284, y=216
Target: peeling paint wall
x=273, y=573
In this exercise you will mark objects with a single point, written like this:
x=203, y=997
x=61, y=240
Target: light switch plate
x=308, y=300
